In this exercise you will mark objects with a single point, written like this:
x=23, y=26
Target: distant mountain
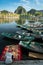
x=32, y=11
x=35, y=12
x=20, y=10
x=40, y=10
x=4, y=11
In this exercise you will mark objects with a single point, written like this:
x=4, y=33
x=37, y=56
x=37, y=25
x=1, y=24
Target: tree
x=38, y=14
x=4, y=12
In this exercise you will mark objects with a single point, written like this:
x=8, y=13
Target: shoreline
x=25, y=62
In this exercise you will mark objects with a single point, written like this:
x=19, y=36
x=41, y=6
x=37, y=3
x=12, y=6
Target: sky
x=11, y=5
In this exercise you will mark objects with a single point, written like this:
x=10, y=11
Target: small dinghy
x=9, y=51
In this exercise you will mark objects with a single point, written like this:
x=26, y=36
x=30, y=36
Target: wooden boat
x=24, y=27
x=32, y=46
x=36, y=35
x=35, y=55
x=36, y=31
x=17, y=37
x=14, y=49
x=22, y=36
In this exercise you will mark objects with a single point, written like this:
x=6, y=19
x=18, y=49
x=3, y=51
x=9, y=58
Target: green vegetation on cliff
x=4, y=11
x=32, y=11
x=20, y=10
x=35, y=12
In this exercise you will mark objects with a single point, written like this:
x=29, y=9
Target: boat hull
x=35, y=55
x=32, y=49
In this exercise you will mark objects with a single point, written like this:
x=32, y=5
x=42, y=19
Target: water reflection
x=9, y=25
x=5, y=20
x=21, y=21
x=17, y=21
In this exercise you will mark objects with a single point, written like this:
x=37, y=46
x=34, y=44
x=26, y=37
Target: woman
x=8, y=57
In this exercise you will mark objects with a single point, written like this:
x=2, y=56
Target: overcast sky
x=11, y=5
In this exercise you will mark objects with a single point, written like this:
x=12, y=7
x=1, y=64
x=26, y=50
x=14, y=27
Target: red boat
x=14, y=49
